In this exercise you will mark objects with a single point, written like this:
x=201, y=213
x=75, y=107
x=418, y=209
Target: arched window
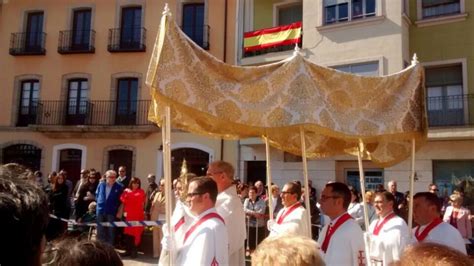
x=24, y=154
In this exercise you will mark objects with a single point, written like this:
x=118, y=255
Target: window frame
x=32, y=103
x=442, y=19
x=286, y=4
x=350, y=10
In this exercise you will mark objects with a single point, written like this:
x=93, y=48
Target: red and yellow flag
x=271, y=37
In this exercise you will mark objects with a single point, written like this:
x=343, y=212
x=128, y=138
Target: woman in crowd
x=86, y=193
x=356, y=210
x=243, y=192
x=458, y=216
x=254, y=209
x=157, y=208
x=59, y=206
x=133, y=200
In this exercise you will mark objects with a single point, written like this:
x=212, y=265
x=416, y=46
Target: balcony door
x=126, y=101
x=445, y=100
x=34, y=32
x=29, y=97
x=193, y=22
x=77, y=102
x=131, y=26
x=81, y=29
x=119, y=158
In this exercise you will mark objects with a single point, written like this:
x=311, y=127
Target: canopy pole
x=366, y=211
x=305, y=175
x=269, y=177
x=412, y=186
x=166, y=135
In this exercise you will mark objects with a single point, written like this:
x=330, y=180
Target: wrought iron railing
x=93, y=113
x=449, y=111
x=76, y=41
x=200, y=35
x=127, y=40
x=27, y=43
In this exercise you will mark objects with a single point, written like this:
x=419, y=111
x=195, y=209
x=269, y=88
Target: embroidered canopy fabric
x=335, y=110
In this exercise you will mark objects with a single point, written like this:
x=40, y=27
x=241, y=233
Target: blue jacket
x=108, y=205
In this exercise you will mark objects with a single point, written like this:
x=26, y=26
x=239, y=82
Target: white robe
x=346, y=246
x=229, y=206
x=388, y=245
x=295, y=223
x=205, y=245
x=444, y=234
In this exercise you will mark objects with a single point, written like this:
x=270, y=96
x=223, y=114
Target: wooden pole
x=412, y=186
x=362, y=191
x=166, y=135
x=269, y=177
x=305, y=175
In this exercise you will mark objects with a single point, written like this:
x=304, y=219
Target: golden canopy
x=335, y=110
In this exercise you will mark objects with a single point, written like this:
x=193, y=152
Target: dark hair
x=341, y=190
x=135, y=180
x=206, y=185
x=294, y=187
x=252, y=188
x=25, y=214
x=355, y=192
x=431, y=198
x=86, y=252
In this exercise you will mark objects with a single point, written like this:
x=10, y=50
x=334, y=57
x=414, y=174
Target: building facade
x=378, y=37
x=73, y=91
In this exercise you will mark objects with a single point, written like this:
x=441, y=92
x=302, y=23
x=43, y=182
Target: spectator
x=39, y=178
x=89, y=217
x=254, y=209
x=107, y=195
x=356, y=210
x=277, y=204
x=59, y=206
x=379, y=188
x=24, y=218
x=433, y=254
x=459, y=217
x=433, y=188
x=151, y=190
x=86, y=252
x=133, y=199
x=369, y=199
x=313, y=211
x=123, y=178
x=260, y=190
x=287, y=250
x=313, y=195
x=399, y=198
x=87, y=191
x=157, y=208
x=243, y=192
x=80, y=206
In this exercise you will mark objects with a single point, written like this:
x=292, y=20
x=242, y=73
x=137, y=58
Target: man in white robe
x=205, y=240
x=229, y=206
x=389, y=234
x=293, y=218
x=341, y=240
x=426, y=212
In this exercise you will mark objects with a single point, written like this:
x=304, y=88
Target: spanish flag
x=272, y=37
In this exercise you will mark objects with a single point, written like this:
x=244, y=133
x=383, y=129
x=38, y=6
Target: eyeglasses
x=191, y=194
x=324, y=198
x=436, y=190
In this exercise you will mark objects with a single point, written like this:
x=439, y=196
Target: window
x=435, y=8
x=450, y=175
x=24, y=154
x=34, y=32
x=288, y=14
x=29, y=96
x=77, y=102
x=130, y=30
x=193, y=23
x=346, y=10
x=445, y=101
x=126, y=101
x=363, y=69
x=373, y=178
x=81, y=29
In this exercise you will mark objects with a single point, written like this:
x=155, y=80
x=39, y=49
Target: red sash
x=290, y=210
x=332, y=229
x=202, y=220
x=378, y=226
x=427, y=230
x=179, y=224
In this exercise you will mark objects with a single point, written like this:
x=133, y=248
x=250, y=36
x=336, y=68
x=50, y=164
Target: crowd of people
x=216, y=220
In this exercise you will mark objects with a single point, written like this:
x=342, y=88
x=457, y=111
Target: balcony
x=200, y=35
x=27, y=43
x=76, y=42
x=127, y=40
x=450, y=111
